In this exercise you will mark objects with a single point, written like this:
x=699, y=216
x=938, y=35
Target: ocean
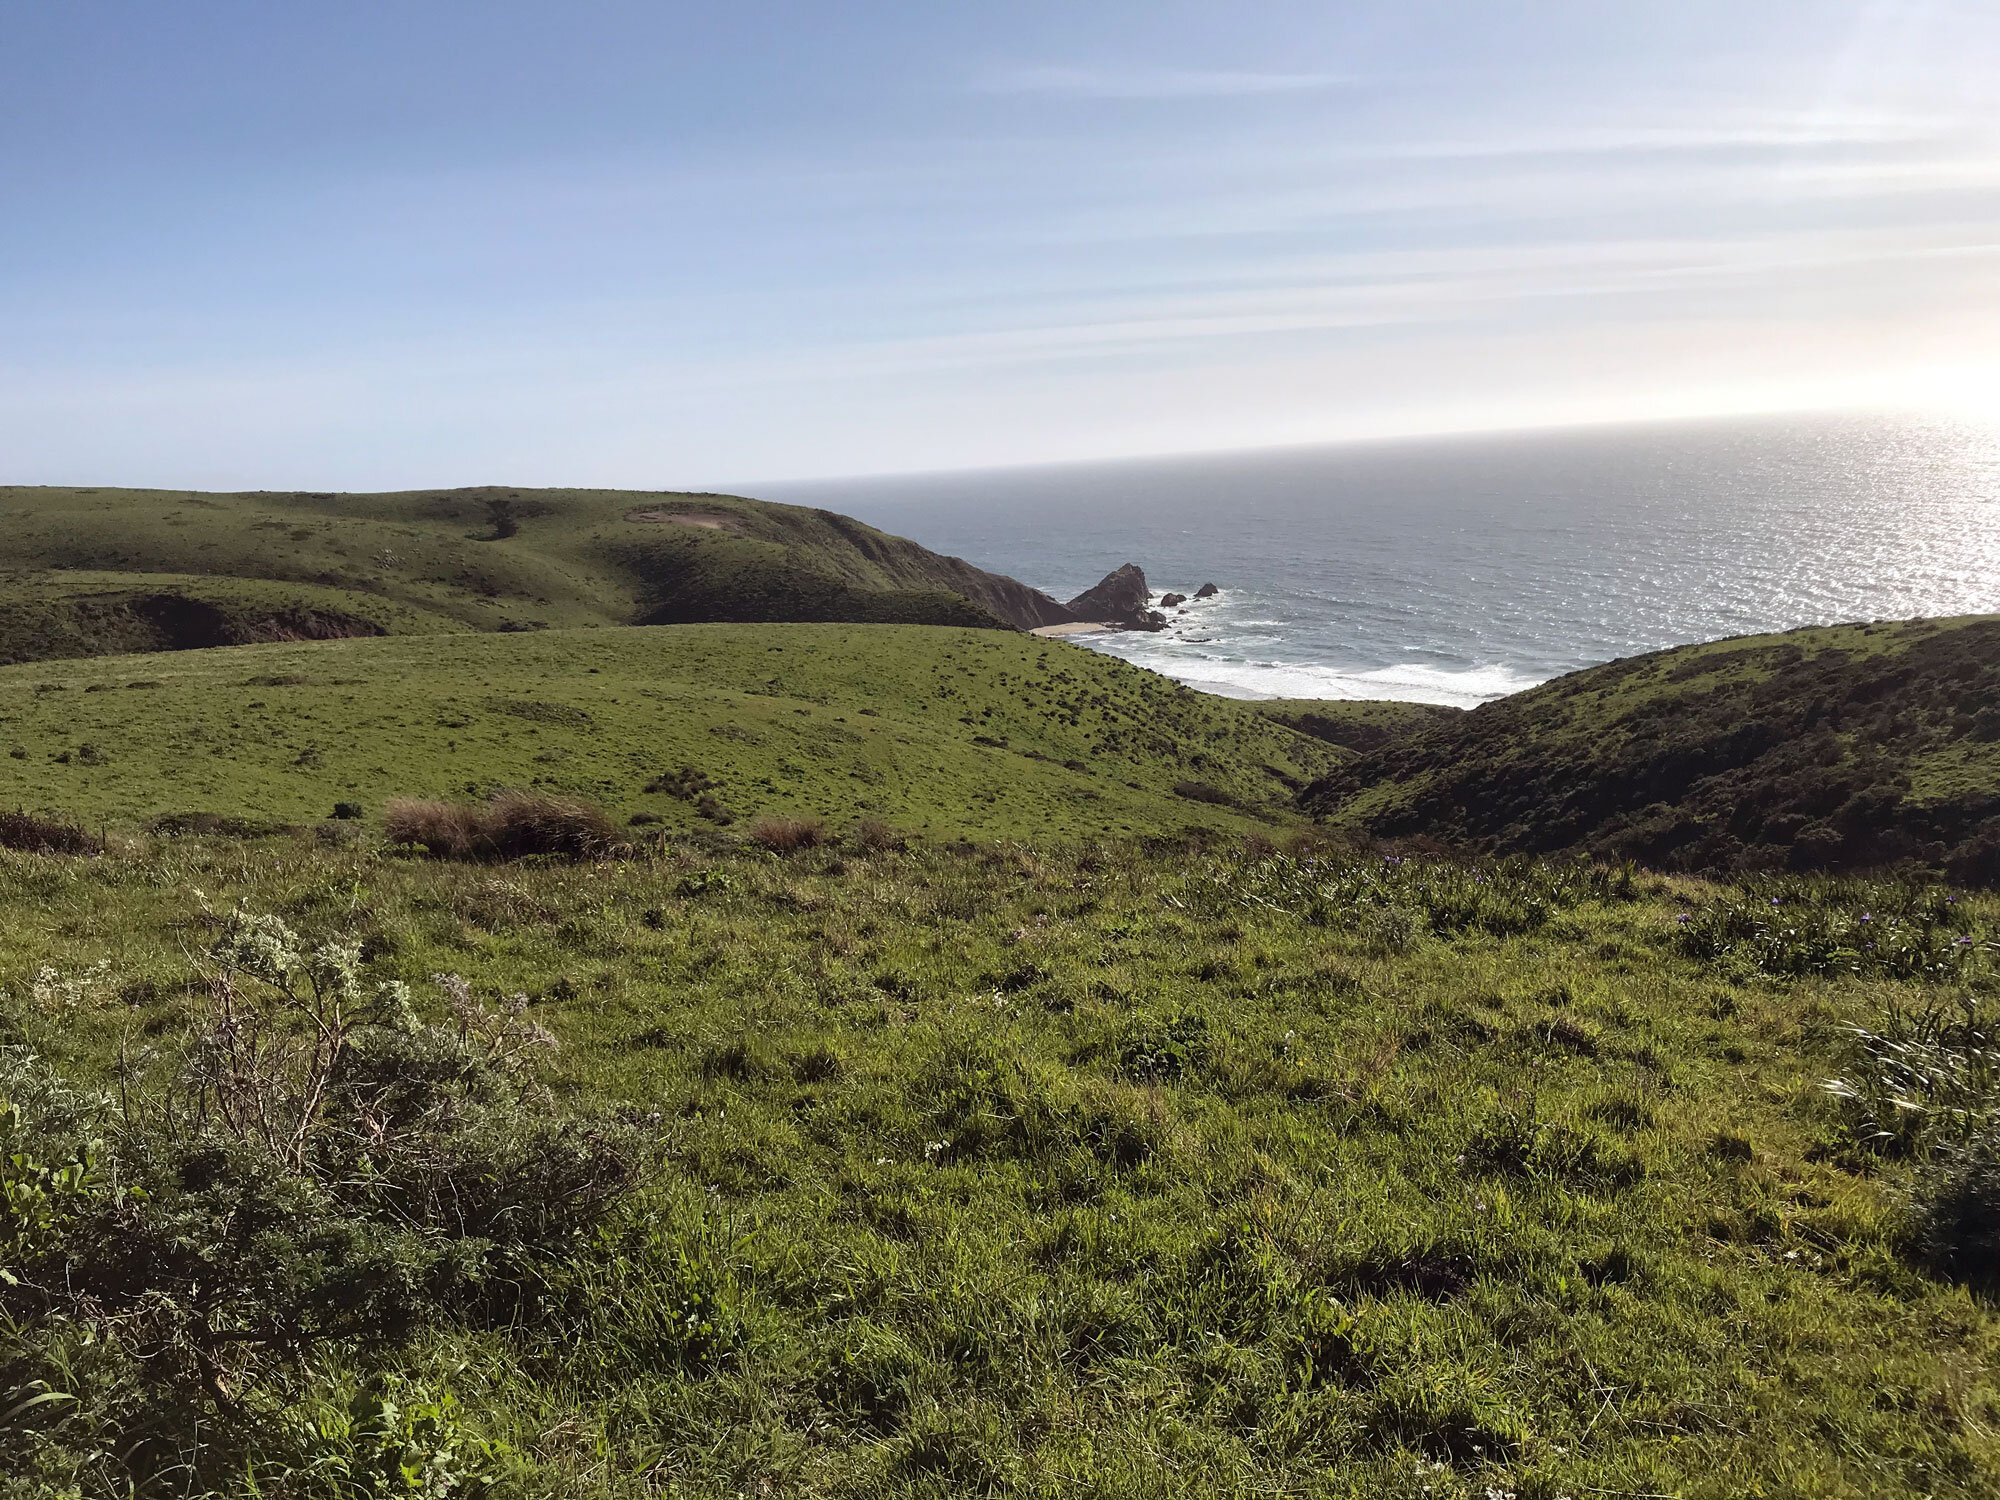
x=1455, y=570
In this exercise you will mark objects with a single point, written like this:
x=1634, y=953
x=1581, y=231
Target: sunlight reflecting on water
x=1457, y=569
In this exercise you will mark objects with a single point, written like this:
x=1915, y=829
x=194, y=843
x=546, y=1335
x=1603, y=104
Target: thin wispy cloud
x=1154, y=83
x=1797, y=132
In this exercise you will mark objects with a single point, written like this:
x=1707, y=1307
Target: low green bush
x=311, y=1167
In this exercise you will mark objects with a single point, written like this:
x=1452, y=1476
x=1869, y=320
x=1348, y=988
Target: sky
x=410, y=243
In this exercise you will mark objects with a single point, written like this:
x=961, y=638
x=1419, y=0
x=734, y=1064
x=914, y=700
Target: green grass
x=977, y=733
x=54, y=616
x=1354, y=724
x=1842, y=747
x=1106, y=1171
x=486, y=559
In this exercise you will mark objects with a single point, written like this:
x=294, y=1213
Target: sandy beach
x=1074, y=627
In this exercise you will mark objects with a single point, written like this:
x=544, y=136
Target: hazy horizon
x=673, y=246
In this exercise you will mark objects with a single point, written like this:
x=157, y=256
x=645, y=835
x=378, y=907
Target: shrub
x=25, y=831
x=789, y=835
x=686, y=784
x=318, y=1166
x=510, y=825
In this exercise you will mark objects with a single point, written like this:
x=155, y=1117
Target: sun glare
x=1970, y=392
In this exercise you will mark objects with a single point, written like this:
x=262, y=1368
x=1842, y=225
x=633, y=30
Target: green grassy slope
x=497, y=558
x=1032, y=1172
x=1842, y=747
x=1354, y=723
x=51, y=616
x=978, y=732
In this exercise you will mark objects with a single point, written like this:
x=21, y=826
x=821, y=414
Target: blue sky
x=373, y=245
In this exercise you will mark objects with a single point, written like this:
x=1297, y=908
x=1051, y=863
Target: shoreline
x=1070, y=628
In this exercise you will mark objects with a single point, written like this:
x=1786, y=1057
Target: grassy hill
x=982, y=733
x=1354, y=723
x=51, y=616
x=482, y=559
x=1844, y=747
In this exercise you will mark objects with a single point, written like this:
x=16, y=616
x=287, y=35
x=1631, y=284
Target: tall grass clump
x=877, y=837
x=789, y=835
x=1926, y=1083
x=37, y=835
x=509, y=825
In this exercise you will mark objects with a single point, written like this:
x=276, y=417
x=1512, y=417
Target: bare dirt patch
x=704, y=519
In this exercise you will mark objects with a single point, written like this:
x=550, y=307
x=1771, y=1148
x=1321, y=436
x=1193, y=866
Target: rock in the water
x=1169, y=601
x=1121, y=598
x=1207, y=591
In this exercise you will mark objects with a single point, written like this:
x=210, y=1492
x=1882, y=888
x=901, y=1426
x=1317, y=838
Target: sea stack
x=1120, y=599
x=1207, y=591
x=1172, y=601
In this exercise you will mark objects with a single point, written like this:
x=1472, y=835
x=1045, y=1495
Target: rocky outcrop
x=1172, y=601
x=1120, y=598
x=1207, y=591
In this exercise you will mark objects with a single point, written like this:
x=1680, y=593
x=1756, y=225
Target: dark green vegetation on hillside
x=482, y=559
x=1117, y=1171
x=52, y=616
x=1846, y=747
x=1361, y=724
x=979, y=733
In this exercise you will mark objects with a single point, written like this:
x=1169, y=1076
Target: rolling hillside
x=954, y=732
x=1361, y=724
x=479, y=559
x=1843, y=747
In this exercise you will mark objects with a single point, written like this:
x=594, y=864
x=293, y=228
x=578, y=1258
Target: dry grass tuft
x=789, y=835
x=878, y=837
x=511, y=825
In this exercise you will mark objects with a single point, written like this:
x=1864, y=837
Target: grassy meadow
x=947, y=1062
x=1162, y=1168
x=976, y=733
